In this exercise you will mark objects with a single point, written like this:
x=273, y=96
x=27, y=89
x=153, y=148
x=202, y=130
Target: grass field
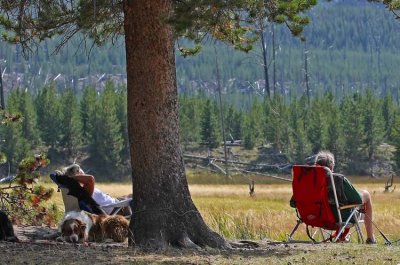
x=229, y=210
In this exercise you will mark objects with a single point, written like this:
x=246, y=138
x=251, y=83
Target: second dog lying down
x=83, y=226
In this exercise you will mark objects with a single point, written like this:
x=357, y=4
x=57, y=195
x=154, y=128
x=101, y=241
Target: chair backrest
x=71, y=203
x=75, y=197
x=310, y=193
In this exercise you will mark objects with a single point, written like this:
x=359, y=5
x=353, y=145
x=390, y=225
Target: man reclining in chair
x=88, y=183
x=347, y=194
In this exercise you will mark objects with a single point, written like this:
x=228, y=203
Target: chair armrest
x=118, y=204
x=349, y=206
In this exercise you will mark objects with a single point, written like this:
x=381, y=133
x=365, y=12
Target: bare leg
x=366, y=198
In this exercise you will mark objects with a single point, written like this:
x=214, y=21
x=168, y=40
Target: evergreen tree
x=121, y=108
x=88, y=108
x=27, y=109
x=237, y=127
x=190, y=109
x=388, y=113
x=249, y=132
x=209, y=126
x=276, y=122
x=48, y=112
x=301, y=146
x=70, y=123
x=13, y=144
x=315, y=129
x=230, y=122
x=353, y=132
x=108, y=143
x=396, y=138
x=334, y=139
x=373, y=123
x=257, y=117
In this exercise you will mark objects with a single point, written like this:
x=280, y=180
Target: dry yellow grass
x=229, y=210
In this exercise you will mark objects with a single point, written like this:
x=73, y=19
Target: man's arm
x=87, y=182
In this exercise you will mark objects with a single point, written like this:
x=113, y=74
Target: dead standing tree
x=389, y=183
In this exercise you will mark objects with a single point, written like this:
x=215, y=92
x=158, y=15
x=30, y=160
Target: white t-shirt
x=103, y=199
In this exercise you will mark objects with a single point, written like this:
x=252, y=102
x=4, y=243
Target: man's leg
x=366, y=198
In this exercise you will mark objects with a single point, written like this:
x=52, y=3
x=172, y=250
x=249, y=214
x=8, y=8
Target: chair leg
x=343, y=226
x=294, y=230
x=360, y=237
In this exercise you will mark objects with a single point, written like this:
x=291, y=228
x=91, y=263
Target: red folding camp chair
x=319, y=209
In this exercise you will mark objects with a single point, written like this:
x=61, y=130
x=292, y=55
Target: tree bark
x=163, y=211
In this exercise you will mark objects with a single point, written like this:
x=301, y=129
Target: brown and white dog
x=83, y=227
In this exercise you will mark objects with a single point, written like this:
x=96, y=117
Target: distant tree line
x=91, y=128
x=360, y=129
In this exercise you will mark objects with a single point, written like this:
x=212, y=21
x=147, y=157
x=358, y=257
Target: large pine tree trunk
x=163, y=211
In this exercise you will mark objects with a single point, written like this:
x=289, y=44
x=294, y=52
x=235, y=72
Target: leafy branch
x=23, y=200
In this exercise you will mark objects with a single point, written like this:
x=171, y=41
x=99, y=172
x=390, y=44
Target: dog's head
x=73, y=230
x=75, y=227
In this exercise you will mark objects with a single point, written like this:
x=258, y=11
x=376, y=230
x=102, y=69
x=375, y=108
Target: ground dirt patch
x=37, y=249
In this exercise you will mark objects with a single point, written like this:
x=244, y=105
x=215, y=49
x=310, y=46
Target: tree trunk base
x=188, y=232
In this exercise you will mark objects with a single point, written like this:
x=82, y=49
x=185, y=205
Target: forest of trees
x=353, y=109
x=351, y=46
x=348, y=51
x=361, y=129
x=91, y=129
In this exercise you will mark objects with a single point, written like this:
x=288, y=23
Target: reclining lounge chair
x=76, y=198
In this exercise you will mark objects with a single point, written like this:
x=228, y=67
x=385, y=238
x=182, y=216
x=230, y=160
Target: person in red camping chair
x=347, y=194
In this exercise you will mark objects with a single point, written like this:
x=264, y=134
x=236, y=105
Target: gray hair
x=325, y=158
x=71, y=170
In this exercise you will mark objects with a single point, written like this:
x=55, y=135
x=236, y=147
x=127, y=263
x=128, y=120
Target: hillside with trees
x=350, y=45
x=338, y=89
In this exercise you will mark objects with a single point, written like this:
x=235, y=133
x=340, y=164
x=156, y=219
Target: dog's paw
x=52, y=236
x=60, y=239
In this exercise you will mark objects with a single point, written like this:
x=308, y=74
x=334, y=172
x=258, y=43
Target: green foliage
x=276, y=123
x=70, y=123
x=373, y=123
x=48, y=109
x=108, y=142
x=24, y=200
x=352, y=126
x=315, y=126
x=334, y=138
x=22, y=102
x=89, y=115
x=209, y=125
x=396, y=139
x=121, y=109
x=14, y=145
x=190, y=111
x=389, y=114
x=249, y=135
